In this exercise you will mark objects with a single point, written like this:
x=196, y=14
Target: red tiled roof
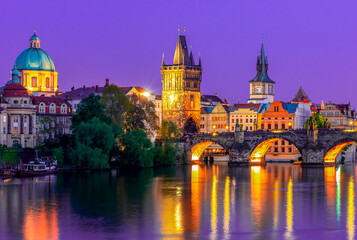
x=15, y=90
x=255, y=106
x=36, y=100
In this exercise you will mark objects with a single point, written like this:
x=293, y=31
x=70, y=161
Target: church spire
x=192, y=61
x=262, y=67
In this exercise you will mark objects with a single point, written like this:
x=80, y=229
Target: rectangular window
x=276, y=143
x=246, y=120
x=4, y=119
x=282, y=149
x=282, y=142
x=290, y=150
x=275, y=149
x=34, y=82
x=4, y=130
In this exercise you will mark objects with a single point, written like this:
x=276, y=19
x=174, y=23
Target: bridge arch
x=335, y=148
x=257, y=155
x=198, y=147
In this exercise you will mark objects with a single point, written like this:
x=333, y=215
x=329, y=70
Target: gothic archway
x=190, y=126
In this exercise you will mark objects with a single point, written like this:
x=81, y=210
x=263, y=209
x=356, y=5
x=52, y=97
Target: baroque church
x=36, y=70
x=181, y=89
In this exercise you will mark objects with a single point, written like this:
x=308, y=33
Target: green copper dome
x=34, y=58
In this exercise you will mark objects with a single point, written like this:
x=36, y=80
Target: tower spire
x=163, y=61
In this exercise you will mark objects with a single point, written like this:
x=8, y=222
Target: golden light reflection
x=276, y=203
x=214, y=206
x=171, y=212
x=289, y=210
x=226, y=217
x=331, y=155
x=178, y=218
x=258, y=177
x=198, y=149
x=41, y=223
x=330, y=187
x=258, y=153
x=195, y=199
x=351, y=210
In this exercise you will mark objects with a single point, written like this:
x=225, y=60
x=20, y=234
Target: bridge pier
x=313, y=157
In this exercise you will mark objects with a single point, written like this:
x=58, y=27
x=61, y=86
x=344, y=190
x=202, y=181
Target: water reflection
x=278, y=201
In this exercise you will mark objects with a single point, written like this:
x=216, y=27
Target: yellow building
x=181, y=89
x=37, y=70
x=245, y=115
x=214, y=119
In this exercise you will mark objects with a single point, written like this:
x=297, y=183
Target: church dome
x=34, y=58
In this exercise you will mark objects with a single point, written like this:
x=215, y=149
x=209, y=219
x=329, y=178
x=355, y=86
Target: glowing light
x=338, y=194
x=146, y=94
x=331, y=155
x=214, y=134
x=351, y=210
x=194, y=168
x=172, y=98
x=349, y=130
x=351, y=122
x=198, y=149
x=258, y=153
x=290, y=124
x=214, y=126
x=226, y=217
x=289, y=209
x=276, y=131
x=227, y=127
x=214, y=207
x=178, y=217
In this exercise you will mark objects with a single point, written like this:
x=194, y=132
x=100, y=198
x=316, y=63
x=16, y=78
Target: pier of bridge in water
x=318, y=147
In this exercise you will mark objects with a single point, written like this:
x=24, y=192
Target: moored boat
x=37, y=168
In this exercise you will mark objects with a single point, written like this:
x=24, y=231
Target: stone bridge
x=317, y=147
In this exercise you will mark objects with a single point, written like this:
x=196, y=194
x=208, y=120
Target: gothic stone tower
x=181, y=89
x=261, y=87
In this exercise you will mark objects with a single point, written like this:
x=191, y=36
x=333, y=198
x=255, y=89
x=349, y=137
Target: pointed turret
x=199, y=61
x=192, y=61
x=301, y=96
x=181, y=56
x=262, y=67
x=163, y=61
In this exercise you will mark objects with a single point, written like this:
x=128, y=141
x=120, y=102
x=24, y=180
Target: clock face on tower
x=258, y=89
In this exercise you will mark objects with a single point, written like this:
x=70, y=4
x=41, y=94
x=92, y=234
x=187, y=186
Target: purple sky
x=309, y=43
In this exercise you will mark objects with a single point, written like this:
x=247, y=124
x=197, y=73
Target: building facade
x=245, y=115
x=261, y=86
x=342, y=116
x=215, y=119
x=53, y=118
x=36, y=70
x=18, y=115
x=181, y=89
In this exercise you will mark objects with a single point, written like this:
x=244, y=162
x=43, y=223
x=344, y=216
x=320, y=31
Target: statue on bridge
x=239, y=127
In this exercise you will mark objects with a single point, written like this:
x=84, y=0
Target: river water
x=278, y=201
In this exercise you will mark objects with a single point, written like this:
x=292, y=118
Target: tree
x=135, y=150
x=117, y=104
x=141, y=115
x=94, y=141
x=90, y=108
x=317, y=121
x=168, y=131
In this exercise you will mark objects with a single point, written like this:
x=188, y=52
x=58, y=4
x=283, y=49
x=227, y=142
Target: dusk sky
x=312, y=43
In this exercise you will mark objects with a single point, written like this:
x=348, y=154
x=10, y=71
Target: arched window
x=262, y=127
x=192, y=100
x=269, y=126
x=47, y=82
x=34, y=82
x=276, y=126
x=283, y=126
x=41, y=108
x=53, y=108
x=63, y=109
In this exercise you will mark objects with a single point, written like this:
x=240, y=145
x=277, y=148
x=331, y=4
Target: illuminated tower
x=261, y=87
x=36, y=69
x=181, y=89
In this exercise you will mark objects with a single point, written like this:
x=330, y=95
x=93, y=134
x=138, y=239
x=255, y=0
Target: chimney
x=96, y=87
x=72, y=88
x=84, y=86
x=106, y=82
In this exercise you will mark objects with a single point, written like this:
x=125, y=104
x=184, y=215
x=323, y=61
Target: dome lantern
x=35, y=41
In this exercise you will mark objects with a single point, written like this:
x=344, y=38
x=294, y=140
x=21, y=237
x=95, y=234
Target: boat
x=6, y=173
x=38, y=167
